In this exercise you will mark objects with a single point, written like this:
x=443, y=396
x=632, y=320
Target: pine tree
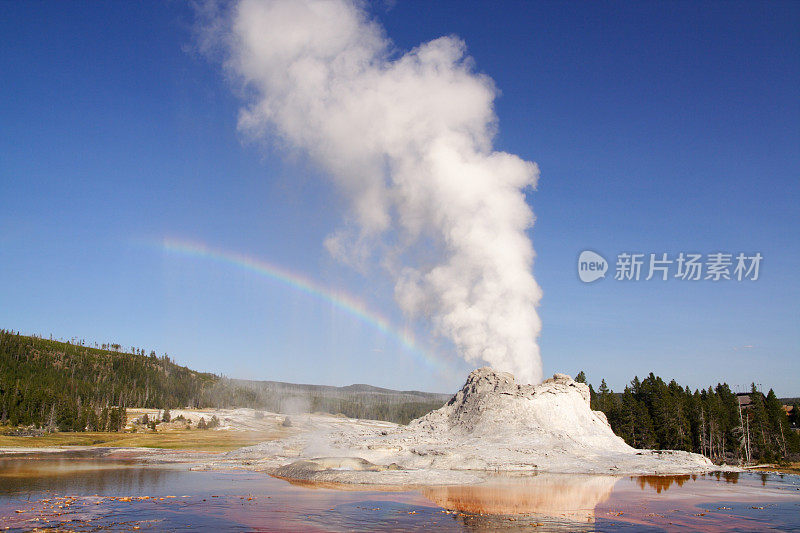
x=794, y=418
x=605, y=401
x=645, y=425
x=679, y=437
x=103, y=422
x=114, y=420
x=778, y=423
x=626, y=425
x=92, y=421
x=729, y=413
x=759, y=426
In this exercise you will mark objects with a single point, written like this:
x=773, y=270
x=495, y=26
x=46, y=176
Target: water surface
x=84, y=492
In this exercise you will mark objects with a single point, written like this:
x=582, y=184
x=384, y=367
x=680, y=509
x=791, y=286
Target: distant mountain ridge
x=356, y=388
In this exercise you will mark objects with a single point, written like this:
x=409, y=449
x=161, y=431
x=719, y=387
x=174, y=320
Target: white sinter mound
x=491, y=404
x=491, y=425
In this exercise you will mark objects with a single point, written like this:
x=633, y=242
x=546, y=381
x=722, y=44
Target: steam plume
x=408, y=139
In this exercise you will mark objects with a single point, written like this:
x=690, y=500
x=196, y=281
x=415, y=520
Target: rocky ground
x=491, y=425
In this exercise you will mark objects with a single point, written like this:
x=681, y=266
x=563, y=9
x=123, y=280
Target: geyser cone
x=491, y=403
x=491, y=425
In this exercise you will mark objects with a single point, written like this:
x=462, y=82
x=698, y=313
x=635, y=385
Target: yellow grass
x=177, y=439
x=786, y=468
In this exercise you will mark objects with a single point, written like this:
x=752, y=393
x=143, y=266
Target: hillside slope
x=58, y=384
x=75, y=387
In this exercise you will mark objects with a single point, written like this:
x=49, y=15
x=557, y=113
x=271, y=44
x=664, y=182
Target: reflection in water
x=570, y=497
x=82, y=473
x=659, y=483
x=731, y=477
x=87, y=492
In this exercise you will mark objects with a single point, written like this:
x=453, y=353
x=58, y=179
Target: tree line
x=69, y=386
x=651, y=413
x=72, y=387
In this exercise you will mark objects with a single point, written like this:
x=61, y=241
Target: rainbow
x=298, y=282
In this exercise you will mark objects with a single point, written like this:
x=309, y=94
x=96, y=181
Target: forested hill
x=356, y=401
x=45, y=382
x=70, y=386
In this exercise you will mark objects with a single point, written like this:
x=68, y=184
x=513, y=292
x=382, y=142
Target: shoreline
x=319, y=449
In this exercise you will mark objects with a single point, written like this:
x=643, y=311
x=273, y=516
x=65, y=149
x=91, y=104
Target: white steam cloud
x=408, y=139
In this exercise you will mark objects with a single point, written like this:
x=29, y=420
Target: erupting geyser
x=491, y=425
x=408, y=139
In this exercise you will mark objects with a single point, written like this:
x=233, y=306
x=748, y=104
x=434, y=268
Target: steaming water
x=97, y=493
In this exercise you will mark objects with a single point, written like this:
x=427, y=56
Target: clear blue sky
x=658, y=127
